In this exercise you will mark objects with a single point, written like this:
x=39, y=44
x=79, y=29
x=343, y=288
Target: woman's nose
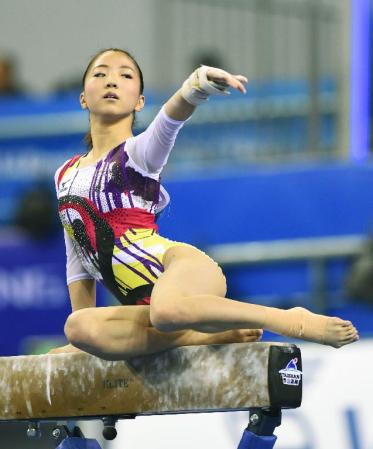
x=111, y=83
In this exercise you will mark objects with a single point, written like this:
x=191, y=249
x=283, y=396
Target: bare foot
x=339, y=332
x=237, y=336
x=301, y=323
x=64, y=349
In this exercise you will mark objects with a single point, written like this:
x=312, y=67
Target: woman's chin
x=110, y=116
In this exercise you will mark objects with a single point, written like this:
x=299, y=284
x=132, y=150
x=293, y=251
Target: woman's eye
x=99, y=74
x=127, y=75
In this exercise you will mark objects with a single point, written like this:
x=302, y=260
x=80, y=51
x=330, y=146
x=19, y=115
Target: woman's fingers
x=226, y=79
x=240, y=80
x=206, y=81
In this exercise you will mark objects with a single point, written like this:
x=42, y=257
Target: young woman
x=172, y=293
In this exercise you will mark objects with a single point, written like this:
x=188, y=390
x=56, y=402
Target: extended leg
x=114, y=333
x=190, y=295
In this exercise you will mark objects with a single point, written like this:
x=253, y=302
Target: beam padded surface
x=182, y=380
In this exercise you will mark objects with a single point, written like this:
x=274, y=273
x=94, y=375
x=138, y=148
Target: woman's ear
x=83, y=103
x=140, y=103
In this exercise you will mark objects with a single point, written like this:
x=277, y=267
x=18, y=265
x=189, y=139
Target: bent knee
x=81, y=328
x=169, y=313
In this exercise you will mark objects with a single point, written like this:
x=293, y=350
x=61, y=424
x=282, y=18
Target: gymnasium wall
x=263, y=40
x=270, y=203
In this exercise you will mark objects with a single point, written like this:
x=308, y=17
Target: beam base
x=257, y=435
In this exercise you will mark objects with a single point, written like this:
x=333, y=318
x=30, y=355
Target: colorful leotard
x=108, y=212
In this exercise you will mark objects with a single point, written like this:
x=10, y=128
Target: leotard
x=109, y=209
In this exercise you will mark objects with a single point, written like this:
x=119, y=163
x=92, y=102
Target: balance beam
x=188, y=379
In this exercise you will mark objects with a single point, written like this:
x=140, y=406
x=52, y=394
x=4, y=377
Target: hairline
x=124, y=52
x=121, y=67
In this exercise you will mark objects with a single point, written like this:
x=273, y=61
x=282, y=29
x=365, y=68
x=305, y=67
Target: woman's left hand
x=225, y=79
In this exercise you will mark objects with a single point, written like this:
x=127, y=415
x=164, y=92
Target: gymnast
x=171, y=293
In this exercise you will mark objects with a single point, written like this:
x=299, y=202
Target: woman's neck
x=106, y=136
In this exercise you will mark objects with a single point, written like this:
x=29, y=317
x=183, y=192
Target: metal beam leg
x=259, y=432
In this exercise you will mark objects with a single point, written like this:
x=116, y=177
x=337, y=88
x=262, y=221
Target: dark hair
x=88, y=137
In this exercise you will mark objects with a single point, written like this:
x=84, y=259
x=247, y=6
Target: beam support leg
x=259, y=432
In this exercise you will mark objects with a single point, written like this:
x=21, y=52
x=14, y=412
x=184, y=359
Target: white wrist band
x=197, y=88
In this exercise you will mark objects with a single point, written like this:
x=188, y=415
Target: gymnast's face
x=112, y=87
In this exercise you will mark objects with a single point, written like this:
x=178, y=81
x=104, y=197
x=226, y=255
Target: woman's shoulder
x=61, y=170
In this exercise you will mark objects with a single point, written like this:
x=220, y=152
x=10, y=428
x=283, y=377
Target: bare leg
x=114, y=333
x=190, y=295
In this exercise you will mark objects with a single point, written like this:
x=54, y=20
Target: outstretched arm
x=151, y=148
x=202, y=83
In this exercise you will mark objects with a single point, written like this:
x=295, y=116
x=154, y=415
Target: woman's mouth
x=111, y=96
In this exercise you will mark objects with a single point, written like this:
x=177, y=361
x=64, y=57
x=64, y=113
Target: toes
x=341, y=332
x=349, y=340
x=349, y=331
x=251, y=339
x=245, y=335
x=250, y=335
x=347, y=337
x=251, y=332
x=340, y=322
x=346, y=322
x=345, y=326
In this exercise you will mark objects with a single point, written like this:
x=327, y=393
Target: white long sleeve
x=150, y=149
x=74, y=268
